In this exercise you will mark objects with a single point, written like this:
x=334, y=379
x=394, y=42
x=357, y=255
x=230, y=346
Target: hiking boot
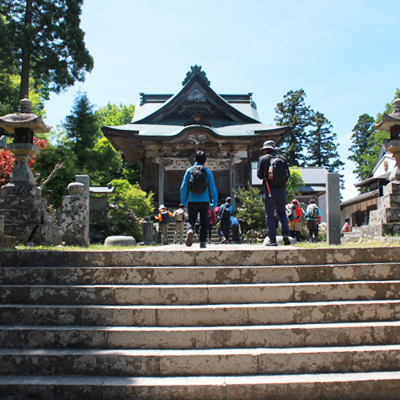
x=286, y=240
x=189, y=237
x=270, y=242
x=203, y=245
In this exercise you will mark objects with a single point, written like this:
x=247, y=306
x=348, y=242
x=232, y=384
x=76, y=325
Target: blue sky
x=343, y=53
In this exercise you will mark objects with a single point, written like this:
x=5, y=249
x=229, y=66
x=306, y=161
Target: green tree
x=362, y=132
x=114, y=115
x=294, y=183
x=252, y=209
x=131, y=197
x=43, y=39
x=82, y=133
x=294, y=112
x=322, y=145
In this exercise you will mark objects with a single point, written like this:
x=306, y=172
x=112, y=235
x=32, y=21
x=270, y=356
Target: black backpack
x=226, y=212
x=165, y=217
x=198, y=179
x=292, y=213
x=278, y=172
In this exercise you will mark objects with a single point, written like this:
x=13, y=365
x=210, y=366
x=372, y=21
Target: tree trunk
x=24, y=88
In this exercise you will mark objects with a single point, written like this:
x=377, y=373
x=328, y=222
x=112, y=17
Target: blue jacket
x=199, y=197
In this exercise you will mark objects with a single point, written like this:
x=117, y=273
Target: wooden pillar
x=161, y=174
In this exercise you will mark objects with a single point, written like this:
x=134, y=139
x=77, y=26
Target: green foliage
x=294, y=183
x=113, y=115
x=293, y=112
x=44, y=38
x=117, y=222
x=131, y=197
x=44, y=165
x=322, y=145
x=362, y=132
x=252, y=210
x=367, y=142
x=82, y=129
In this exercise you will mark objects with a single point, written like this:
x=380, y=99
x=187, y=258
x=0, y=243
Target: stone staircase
x=253, y=323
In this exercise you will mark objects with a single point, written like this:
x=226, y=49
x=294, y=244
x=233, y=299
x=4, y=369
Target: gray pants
x=179, y=228
x=164, y=233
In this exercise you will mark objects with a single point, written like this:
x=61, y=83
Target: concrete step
x=257, y=361
x=240, y=255
x=198, y=275
x=275, y=336
x=354, y=386
x=198, y=294
x=204, y=315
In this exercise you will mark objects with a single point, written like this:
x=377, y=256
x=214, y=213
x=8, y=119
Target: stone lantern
x=391, y=122
x=385, y=221
x=25, y=212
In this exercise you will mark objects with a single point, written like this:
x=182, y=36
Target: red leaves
x=7, y=161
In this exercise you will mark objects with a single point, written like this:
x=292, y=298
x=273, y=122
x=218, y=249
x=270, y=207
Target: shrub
x=132, y=197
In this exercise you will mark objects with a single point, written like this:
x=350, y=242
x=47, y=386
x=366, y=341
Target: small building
x=167, y=130
x=357, y=209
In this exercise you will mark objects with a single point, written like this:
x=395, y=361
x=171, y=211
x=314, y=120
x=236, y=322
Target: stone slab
x=354, y=386
x=198, y=275
x=241, y=255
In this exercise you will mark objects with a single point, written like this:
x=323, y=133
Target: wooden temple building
x=167, y=130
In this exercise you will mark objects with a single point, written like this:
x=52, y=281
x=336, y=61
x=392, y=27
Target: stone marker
x=333, y=208
x=127, y=241
x=147, y=228
x=75, y=216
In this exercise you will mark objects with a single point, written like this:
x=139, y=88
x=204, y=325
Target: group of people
x=200, y=195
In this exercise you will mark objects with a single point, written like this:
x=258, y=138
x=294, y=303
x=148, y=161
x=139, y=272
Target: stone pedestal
x=25, y=215
x=148, y=235
x=75, y=216
x=385, y=221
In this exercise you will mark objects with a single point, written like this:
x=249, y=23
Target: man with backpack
x=295, y=216
x=199, y=192
x=163, y=219
x=273, y=170
x=313, y=215
x=179, y=215
x=224, y=215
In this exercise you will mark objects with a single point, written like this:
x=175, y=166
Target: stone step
x=354, y=386
x=199, y=294
x=240, y=255
x=272, y=336
x=151, y=362
x=205, y=315
x=198, y=275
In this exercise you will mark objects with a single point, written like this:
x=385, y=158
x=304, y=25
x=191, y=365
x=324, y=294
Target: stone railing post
x=333, y=208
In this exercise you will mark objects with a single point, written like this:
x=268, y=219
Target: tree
x=362, y=132
x=294, y=183
x=293, y=111
x=82, y=133
x=114, y=115
x=43, y=39
x=321, y=144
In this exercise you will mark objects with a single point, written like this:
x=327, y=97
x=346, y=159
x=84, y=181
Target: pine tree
x=361, y=134
x=322, y=144
x=83, y=132
x=293, y=112
x=43, y=39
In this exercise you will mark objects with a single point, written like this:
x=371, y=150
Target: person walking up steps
x=163, y=220
x=179, y=215
x=225, y=213
x=199, y=192
x=273, y=170
x=313, y=213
